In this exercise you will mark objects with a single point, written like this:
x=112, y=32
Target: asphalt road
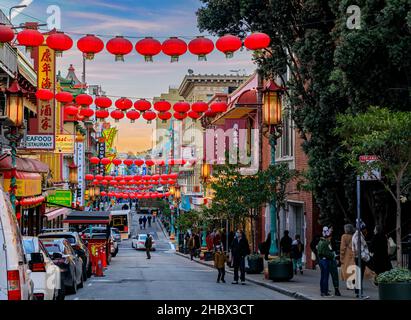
x=130, y=276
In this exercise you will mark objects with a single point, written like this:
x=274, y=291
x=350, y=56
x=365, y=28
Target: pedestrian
x=192, y=246
x=239, y=250
x=379, y=249
x=334, y=267
x=297, y=249
x=217, y=238
x=325, y=256
x=197, y=244
x=265, y=246
x=346, y=254
x=148, y=245
x=140, y=222
x=124, y=207
x=219, y=263
x=365, y=256
x=149, y=221
x=285, y=244
x=314, y=253
x=144, y=222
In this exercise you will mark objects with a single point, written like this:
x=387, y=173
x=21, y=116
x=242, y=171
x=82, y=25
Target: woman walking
x=379, y=249
x=346, y=254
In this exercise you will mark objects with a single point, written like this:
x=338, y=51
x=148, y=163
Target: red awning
x=24, y=165
x=248, y=97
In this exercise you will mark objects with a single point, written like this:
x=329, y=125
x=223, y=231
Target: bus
x=121, y=219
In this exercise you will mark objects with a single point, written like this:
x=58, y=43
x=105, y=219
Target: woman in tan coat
x=346, y=253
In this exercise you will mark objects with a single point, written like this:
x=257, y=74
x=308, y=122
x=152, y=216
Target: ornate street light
x=73, y=180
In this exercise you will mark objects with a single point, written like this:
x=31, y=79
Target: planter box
x=255, y=266
x=394, y=291
x=280, y=271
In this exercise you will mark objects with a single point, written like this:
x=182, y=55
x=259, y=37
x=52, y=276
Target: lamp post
x=73, y=180
x=172, y=230
x=205, y=176
x=272, y=120
x=177, y=198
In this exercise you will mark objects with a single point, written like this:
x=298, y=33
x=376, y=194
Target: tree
x=188, y=220
x=332, y=69
x=387, y=135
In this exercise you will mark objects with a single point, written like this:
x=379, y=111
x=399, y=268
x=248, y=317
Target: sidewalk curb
x=162, y=229
x=273, y=287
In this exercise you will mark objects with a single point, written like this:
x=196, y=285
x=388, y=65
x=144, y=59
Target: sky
x=134, y=77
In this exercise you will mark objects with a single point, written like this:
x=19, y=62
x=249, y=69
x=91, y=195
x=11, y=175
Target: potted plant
x=255, y=264
x=280, y=269
x=394, y=284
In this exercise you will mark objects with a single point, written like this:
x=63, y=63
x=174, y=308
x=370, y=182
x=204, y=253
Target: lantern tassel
x=119, y=57
x=148, y=58
x=90, y=56
x=174, y=58
x=202, y=57
x=229, y=55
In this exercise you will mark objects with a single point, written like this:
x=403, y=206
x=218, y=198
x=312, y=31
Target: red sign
x=368, y=158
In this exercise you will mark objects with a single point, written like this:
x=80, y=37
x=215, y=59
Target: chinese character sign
x=46, y=80
x=80, y=155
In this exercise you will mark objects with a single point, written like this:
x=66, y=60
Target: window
x=285, y=147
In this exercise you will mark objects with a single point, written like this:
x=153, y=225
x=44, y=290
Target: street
x=130, y=276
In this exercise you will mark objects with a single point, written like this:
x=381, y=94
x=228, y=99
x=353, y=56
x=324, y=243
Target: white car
x=15, y=281
x=44, y=273
x=137, y=242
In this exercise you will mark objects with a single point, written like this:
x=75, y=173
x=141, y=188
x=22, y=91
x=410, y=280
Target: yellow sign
x=25, y=187
x=109, y=135
x=64, y=143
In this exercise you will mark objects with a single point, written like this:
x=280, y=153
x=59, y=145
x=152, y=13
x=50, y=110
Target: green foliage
x=188, y=220
x=280, y=260
x=394, y=276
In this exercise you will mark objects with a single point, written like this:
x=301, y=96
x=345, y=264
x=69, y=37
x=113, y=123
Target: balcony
x=8, y=55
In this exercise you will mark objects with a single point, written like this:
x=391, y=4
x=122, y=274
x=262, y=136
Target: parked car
x=137, y=242
x=77, y=244
x=44, y=273
x=15, y=281
x=71, y=265
x=116, y=234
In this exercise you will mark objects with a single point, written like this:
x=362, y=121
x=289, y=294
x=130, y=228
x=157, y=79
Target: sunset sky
x=133, y=78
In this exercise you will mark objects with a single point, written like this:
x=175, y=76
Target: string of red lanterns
x=137, y=162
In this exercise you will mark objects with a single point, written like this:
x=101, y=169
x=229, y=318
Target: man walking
x=149, y=221
x=191, y=246
x=239, y=250
x=144, y=222
x=140, y=222
x=148, y=244
x=286, y=243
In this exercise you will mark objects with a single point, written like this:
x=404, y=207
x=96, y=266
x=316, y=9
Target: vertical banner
x=101, y=155
x=80, y=160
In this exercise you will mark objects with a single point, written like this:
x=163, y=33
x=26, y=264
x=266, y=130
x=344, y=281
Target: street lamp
x=272, y=120
x=73, y=179
x=205, y=176
x=177, y=198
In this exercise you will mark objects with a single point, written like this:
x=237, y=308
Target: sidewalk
x=305, y=287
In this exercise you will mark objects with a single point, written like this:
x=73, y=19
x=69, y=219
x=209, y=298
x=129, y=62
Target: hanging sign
x=64, y=144
x=371, y=174
x=80, y=161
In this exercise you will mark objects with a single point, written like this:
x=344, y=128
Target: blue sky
x=134, y=18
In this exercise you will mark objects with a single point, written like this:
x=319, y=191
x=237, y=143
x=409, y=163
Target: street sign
x=372, y=174
x=61, y=197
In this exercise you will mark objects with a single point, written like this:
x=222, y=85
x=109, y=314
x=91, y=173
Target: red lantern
x=162, y=106
x=122, y=182
x=44, y=95
x=201, y=46
x=133, y=115
x=194, y=115
x=138, y=162
x=210, y=114
x=79, y=117
x=142, y=105
x=99, y=177
x=119, y=178
x=89, y=177
x=174, y=47
x=149, y=163
x=86, y=112
x=160, y=162
x=124, y=104
x=59, y=42
x=229, y=44
x=171, y=182
x=164, y=116
x=109, y=178
x=180, y=116
x=64, y=97
x=164, y=176
x=181, y=107
x=175, y=175
x=104, y=182
x=103, y=102
x=113, y=183
x=218, y=107
x=149, y=116
x=117, y=115
x=128, y=162
x=199, y=107
x=102, y=114
x=6, y=34
x=84, y=100
x=117, y=162
x=148, y=47
x=90, y=45
x=71, y=110
x=94, y=160
x=30, y=38
x=105, y=161
x=163, y=182
x=103, y=193
x=257, y=41
x=119, y=47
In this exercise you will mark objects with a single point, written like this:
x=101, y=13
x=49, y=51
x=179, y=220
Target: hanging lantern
x=142, y=105
x=64, y=97
x=84, y=100
x=162, y=106
x=148, y=47
x=164, y=116
x=139, y=162
x=30, y=38
x=175, y=48
x=160, y=163
x=86, y=112
x=133, y=115
x=59, y=42
x=102, y=114
x=105, y=161
x=99, y=177
x=229, y=44
x=149, y=116
x=149, y=163
x=123, y=104
x=128, y=162
x=272, y=104
x=210, y=114
x=180, y=116
x=174, y=176
x=109, y=178
x=200, y=47
x=117, y=115
x=6, y=34
x=103, y=193
x=44, y=95
x=119, y=178
x=119, y=47
x=103, y=102
x=94, y=160
x=257, y=41
x=71, y=110
x=194, y=115
x=79, y=117
x=181, y=107
x=90, y=45
x=104, y=182
x=199, y=107
x=89, y=177
x=117, y=162
x=218, y=107
x=15, y=103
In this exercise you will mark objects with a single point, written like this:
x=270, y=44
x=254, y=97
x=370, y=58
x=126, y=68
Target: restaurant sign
x=61, y=197
x=39, y=142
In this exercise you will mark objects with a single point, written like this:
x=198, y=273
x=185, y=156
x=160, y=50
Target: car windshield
x=52, y=247
x=142, y=237
x=70, y=238
x=28, y=246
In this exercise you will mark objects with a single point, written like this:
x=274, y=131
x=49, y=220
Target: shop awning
x=82, y=217
x=24, y=165
x=57, y=213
